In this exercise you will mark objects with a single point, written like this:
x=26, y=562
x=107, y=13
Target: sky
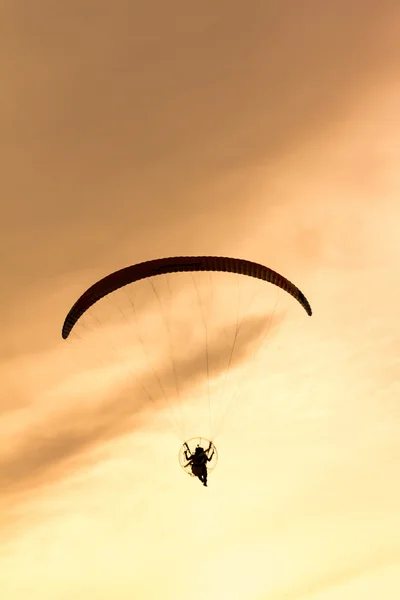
x=263, y=130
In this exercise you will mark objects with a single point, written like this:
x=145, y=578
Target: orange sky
x=264, y=130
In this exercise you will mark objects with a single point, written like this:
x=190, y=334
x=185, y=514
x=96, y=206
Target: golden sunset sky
x=263, y=130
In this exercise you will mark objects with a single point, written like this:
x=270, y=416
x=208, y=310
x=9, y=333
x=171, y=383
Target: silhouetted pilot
x=198, y=461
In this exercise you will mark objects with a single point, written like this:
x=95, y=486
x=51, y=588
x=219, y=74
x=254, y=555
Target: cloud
x=67, y=439
x=121, y=123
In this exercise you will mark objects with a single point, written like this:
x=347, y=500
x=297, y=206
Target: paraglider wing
x=162, y=266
